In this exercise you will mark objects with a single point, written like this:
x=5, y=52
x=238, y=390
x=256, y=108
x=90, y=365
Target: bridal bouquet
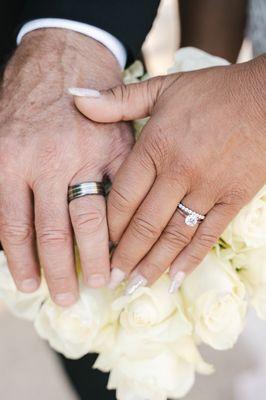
x=149, y=341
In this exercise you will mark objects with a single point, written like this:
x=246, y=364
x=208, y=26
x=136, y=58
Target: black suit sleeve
x=128, y=20
x=10, y=18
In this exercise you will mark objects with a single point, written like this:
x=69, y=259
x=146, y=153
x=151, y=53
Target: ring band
x=85, y=189
x=192, y=217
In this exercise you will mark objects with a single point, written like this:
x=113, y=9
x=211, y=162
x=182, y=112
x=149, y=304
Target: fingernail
x=29, y=285
x=65, y=299
x=117, y=276
x=96, y=281
x=134, y=283
x=83, y=92
x=176, y=281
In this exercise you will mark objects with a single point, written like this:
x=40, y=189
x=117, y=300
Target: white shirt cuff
x=108, y=40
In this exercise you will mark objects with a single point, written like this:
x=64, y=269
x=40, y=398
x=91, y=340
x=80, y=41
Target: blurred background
x=26, y=362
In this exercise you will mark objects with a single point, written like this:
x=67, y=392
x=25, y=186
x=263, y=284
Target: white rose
x=133, y=73
x=248, y=228
x=153, y=314
x=259, y=301
x=191, y=58
x=215, y=299
x=187, y=349
x=252, y=270
x=225, y=254
x=23, y=305
x=130, y=346
x=166, y=372
x=86, y=326
x=159, y=378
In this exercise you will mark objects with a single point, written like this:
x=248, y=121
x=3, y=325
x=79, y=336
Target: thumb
x=121, y=103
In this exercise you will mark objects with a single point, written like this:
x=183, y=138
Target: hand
x=46, y=145
x=204, y=145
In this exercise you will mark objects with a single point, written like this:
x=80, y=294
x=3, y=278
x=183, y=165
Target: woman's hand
x=204, y=145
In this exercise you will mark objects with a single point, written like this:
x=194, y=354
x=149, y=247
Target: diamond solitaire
x=192, y=218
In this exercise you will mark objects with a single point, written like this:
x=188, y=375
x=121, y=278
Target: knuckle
x=195, y=258
x=146, y=159
x=123, y=93
x=88, y=222
x=96, y=264
x=21, y=272
x=59, y=281
x=49, y=153
x=118, y=200
x=207, y=240
x=235, y=196
x=50, y=236
x=124, y=259
x=142, y=228
x=156, y=148
x=175, y=238
x=16, y=234
x=155, y=269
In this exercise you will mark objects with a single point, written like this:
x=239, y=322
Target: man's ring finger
x=85, y=189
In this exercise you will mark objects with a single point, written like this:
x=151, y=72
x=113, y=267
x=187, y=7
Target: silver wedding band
x=85, y=189
x=192, y=218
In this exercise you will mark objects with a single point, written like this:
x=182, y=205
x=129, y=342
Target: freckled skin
x=46, y=144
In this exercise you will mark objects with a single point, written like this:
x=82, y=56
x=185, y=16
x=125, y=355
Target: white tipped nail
x=134, y=283
x=83, y=92
x=117, y=276
x=177, y=282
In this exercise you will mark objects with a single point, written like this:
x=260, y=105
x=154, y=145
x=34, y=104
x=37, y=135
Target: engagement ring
x=192, y=217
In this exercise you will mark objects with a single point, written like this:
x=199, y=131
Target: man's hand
x=204, y=145
x=47, y=145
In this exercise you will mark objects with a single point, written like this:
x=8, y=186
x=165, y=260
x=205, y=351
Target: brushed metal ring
x=85, y=189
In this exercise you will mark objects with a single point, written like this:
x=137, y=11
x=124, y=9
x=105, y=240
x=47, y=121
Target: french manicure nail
x=65, y=299
x=96, y=281
x=83, y=92
x=29, y=285
x=176, y=281
x=134, y=283
x=117, y=276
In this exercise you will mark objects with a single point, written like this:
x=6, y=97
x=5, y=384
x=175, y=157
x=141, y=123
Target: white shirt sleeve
x=108, y=40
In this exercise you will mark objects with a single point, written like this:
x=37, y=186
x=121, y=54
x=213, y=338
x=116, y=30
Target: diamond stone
x=191, y=220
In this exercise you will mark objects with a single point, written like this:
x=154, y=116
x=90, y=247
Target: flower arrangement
x=149, y=341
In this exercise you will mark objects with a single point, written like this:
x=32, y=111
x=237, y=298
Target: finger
x=88, y=216
x=115, y=165
x=17, y=234
x=206, y=236
x=146, y=226
x=122, y=103
x=131, y=185
x=55, y=243
x=175, y=237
